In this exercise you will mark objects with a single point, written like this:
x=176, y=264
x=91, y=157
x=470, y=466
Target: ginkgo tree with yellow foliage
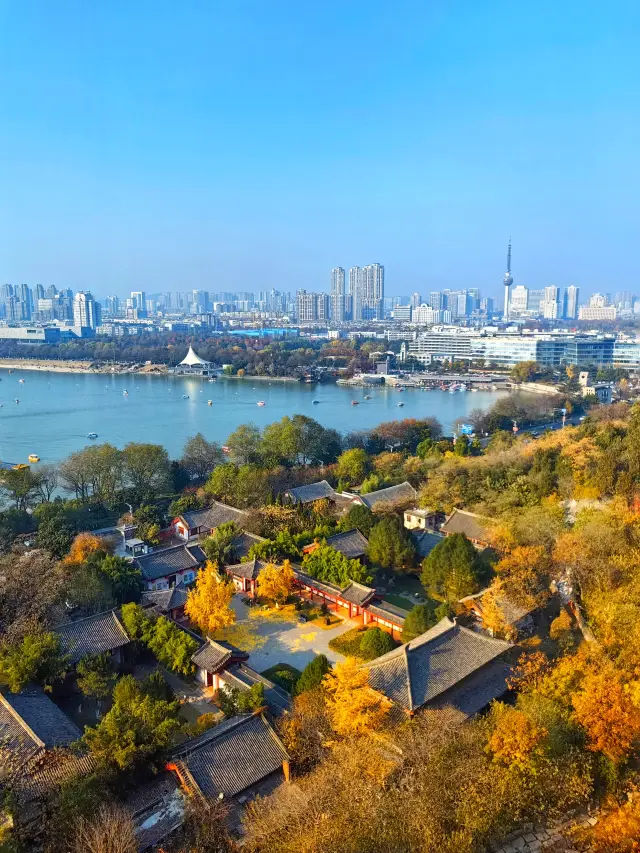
x=208, y=604
x=275, y=583
x=354, y=708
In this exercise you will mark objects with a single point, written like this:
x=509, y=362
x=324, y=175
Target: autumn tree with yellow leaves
x=208, y=604
x=354, y=708
x=275, y=583
x=82, y=547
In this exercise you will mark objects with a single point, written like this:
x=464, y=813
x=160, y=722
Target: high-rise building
x=39, y=291
x=519, y=302
x=112, y=305
x=311, y=307
x=139, y=303
x=415, y=300
x=372, y=292
x=598, y=300
x=338, y=303
x=487, y=305
x=86, y=311
x=535, y=300
x=571, y=302
x=550, y=305
x=355, y=293
x=507, y=281
x=437, y=300
x=597, y=312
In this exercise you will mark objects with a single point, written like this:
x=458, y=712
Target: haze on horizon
x=162, y=146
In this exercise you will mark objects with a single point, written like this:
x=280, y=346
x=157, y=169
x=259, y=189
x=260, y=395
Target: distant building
x=139, y=304
x=571, y=302
x=507, y=281
x=338, y=295
x=312, y=307
x=86, y=311
x=597, y=312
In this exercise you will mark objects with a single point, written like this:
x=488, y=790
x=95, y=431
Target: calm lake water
x=57, y=411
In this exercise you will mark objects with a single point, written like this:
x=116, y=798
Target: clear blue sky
x=247, y=145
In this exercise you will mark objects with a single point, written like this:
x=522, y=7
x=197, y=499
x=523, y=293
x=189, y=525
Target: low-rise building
x=93, y=635
x=352, y=544
x=423, y=519
x=202, y=522
x=472, y=525
x=394, y=496
x=310, y=493
x=446, y=667
x=168, y=567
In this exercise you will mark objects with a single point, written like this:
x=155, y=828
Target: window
x=162, y=584
x=188, y=577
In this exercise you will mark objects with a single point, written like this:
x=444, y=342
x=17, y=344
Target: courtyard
x=275, y=636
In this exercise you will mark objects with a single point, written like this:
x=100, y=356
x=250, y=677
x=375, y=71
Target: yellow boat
x=33, y=457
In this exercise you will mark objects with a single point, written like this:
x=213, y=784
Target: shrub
x=376, y=642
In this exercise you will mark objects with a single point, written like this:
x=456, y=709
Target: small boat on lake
x=355, y=403
x=367, y=396
x=209, y=402
x=92, y=435
x=185, y=396
x=21, y=381
x=400, y=405
x=315, y=401
x=33, y=457
x=261, y=403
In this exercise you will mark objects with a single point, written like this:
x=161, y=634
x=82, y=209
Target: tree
x=219, y=546
x=148, y=521
x=123, y=577
x=208, y=604
x=222, y=483
x=233, y=701
x=376, y=642
x=30, y=590
x=172, y=646
x=453, y=569
x=54, y=536
x=111, y=830
x=244, y=444
x=136, y=730
x=20, y=485
x=327, y=564
x=313, y=674
x=47, y=482
x=352, y=466
x=516, y=739
x=419, y=619
x=84, y=546
x=524, y=575
x=389, y=544
x=359, y=517
x=275, y=583
x=353, y=707
x=604, y=709
x=37, y=659
x=205, y=829
x=525, y=371
x=183, y=504
x=95, y=675
x=200, y=457
x=147, y=468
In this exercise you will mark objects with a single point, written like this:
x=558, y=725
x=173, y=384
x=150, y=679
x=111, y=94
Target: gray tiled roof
x=388, y=611
x=512, y=612
x=92, y=635
x=311, y=492
x=425, y=542
x=40, y=718
x=213, y=516
x=393, y=495
x=473, y=526
x=234, y=755
x=213, y=655
x=432, y=664
x=243, y=543
x=48, y=772
x=249, y=570
x=168, y=561
x=351, y=543
x=357, y=593
x=166, y=599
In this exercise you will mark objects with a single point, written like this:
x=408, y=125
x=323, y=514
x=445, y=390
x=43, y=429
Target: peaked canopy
x=191, y=359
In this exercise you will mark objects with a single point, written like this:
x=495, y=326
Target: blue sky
x=249, y=145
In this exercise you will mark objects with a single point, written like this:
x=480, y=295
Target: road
x=538, y=429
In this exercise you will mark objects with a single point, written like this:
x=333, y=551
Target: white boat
x=185, y=396
x=21, y=381
x=125, y=393
x=92, y=435
x=209, y=402
x=261, y=403
x=400, y=405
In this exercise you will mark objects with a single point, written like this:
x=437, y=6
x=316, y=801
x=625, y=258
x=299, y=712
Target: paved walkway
x=279, y=638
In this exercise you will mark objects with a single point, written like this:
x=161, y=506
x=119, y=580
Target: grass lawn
x=284, y=675
x=321, y=621
x=348, y=644
x=399, y=601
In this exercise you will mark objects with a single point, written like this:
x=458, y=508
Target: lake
x=57, y=411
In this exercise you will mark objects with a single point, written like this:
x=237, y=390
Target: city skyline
x=222, y=148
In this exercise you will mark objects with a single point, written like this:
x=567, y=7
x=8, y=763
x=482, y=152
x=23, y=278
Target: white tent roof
x=191, y=359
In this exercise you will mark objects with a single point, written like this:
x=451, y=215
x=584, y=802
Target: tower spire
x=509, y=256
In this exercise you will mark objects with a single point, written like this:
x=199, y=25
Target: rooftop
x=213, y=516
x=388, y=611
x=191, y=359
x=424, y=542
x=232, y=756
x=31, y=721
x=311, y=492
x=166, y=599
x=351, y=543
x=356, y=593
x=434, y=664
x=168, y=561
x=249, y=570
x=472, y=525
x=92, y=635
x=393, y=495
x=213, y=655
